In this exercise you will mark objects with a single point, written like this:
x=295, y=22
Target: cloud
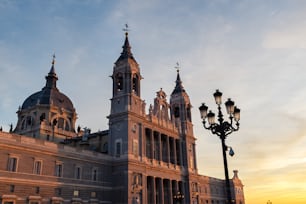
x=285, y=39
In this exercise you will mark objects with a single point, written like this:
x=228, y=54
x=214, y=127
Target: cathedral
x=147, y=156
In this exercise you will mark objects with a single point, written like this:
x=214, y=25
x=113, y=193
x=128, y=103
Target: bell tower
x=126, y=83
x=125, y=119
x=125, y=102
x=181, y=108
x=181, y=115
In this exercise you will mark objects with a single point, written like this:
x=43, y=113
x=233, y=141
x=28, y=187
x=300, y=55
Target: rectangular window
x=118, y=149
x=58, y=191
x=59, y=170
x=75, y=193
x=34, y=202
x=12, y=164
x=12, y=188
x=8, y=202
x=93, y=194
x=94, y=174
x=78, y=172
x=37, y=167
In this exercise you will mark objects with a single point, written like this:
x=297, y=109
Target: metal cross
x=177, y=67
x=53, y=58
x=126, y=29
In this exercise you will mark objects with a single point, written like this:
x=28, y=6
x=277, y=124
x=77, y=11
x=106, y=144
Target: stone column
x=168, y=149
x=160, y=148
x=174, y=151
x=152, y=145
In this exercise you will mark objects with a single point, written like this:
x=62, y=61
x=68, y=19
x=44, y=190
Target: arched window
x=67, y=126
x=60, y=123
x=176, y=112
x=188, y=113
x=135, y=85
x=119, y=82
x=23, y=124
x=30, y=121
x=42, y=117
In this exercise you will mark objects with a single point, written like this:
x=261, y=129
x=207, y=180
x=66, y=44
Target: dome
x=48, y=96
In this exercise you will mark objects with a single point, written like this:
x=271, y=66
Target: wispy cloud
x=254, y=52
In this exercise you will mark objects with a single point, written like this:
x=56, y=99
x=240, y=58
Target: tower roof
x=49, y=95
x=51, y=78
x=178, y=86
x=126, y=50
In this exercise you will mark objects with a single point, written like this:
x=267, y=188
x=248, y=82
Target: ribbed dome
x=49, y=95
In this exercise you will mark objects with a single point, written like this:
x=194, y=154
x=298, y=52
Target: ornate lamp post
x=178, y=198
x=222, y=129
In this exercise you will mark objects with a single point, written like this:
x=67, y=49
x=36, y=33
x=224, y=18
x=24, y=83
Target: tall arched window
x=176, y=112
x=135, y=85
x=119, y=82
x=188, y=113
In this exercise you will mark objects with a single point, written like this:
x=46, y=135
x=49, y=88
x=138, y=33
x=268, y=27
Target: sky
x=254, y=51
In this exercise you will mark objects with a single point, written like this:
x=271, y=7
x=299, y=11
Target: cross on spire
x=126, y=29
x=177, y=67
x=53, y=59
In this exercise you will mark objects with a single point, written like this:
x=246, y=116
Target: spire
x=51, y=78
x=178, y=87
x=126, y=48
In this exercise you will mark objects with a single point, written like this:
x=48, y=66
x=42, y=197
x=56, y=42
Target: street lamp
x=269, y=202
x=222, y=129
x=178, y=198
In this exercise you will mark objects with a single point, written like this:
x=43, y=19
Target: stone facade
x=143, y=157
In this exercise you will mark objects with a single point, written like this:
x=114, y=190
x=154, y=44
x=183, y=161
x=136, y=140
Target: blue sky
x=253, y=51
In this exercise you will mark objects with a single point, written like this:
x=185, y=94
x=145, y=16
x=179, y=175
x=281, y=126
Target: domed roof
x=49, y=95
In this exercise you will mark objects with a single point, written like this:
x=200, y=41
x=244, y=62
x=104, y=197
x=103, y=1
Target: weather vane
x=177, y=67
x=126, y=29
x=53, y=58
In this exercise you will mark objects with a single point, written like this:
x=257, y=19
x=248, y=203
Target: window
x=135, y=84
x=12, y=188
x=8, y=202
x=56, y=200
x=58, y=191
x=93, y=194
x=67, y=126
x=37, y=167
x=34, y=202
x=119, y=82
x=118, y=148
x=78, y=172
x=188, y=113
x=176, y=112
x=29, y=121
x=105, y=147
x=60, y=123
x=94, y=174
x=59, y=169
x=75, y=193
x=12, y=164
x=37, y=190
